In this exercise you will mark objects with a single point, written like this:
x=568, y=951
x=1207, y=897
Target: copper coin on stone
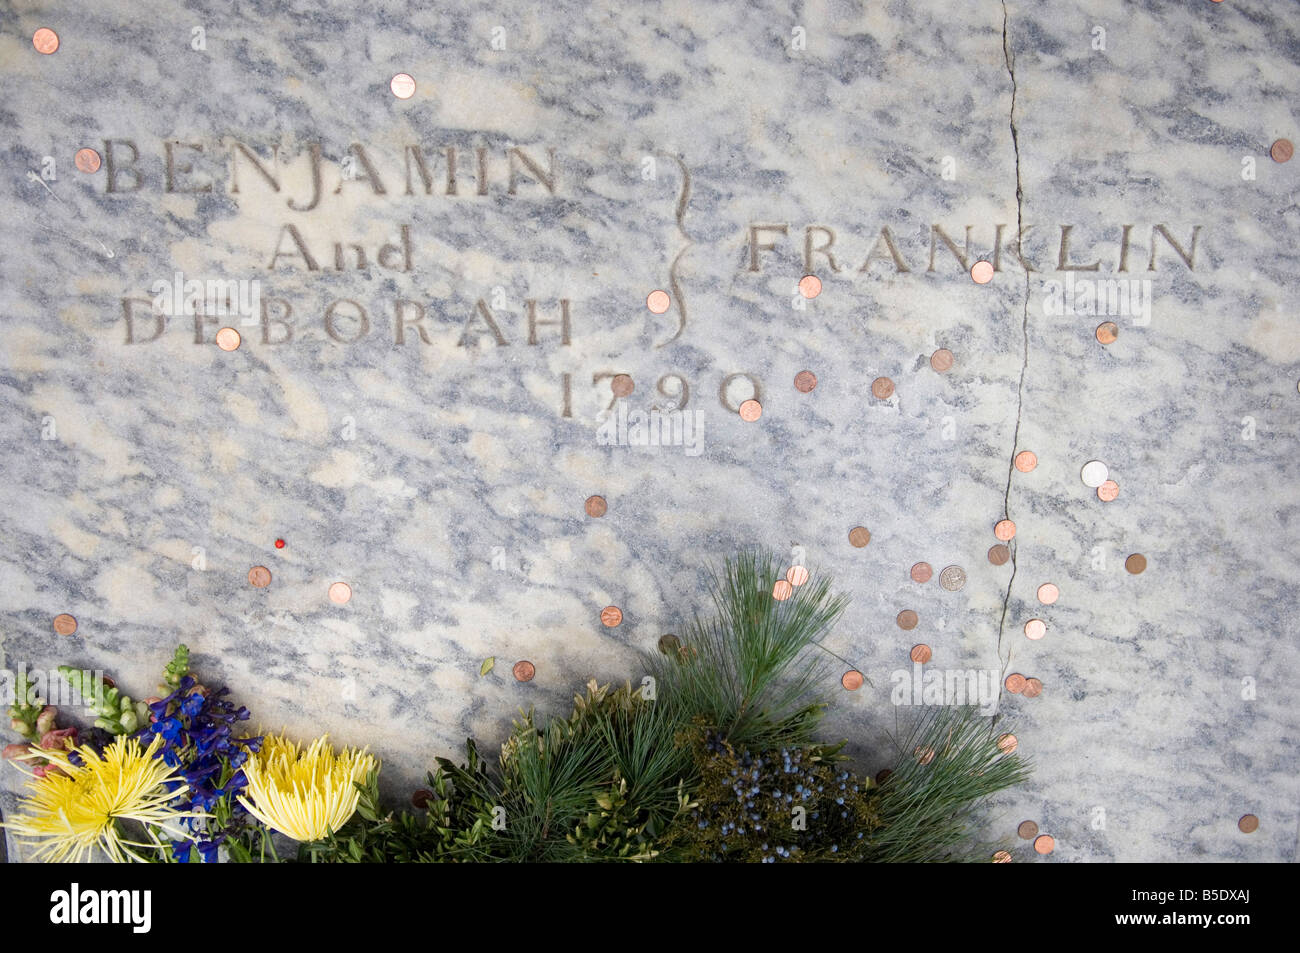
x=1015, y=683
x=611, y=616
x=1008, y=743
x=1282, y=150
x=1026, y=460
x=1002, y=857
x=1248, y=824
x=982, y=272
x=340, y=592
x=658, y=302
x=999, y=553
x=1035, y=629
x=952, y=578
x=907, y=620
x=750, y=410
x=859, y=536
x=669, y=644
x=595, y=506
x=1033, y=688
x=851, y=680
x=64, y=624
x=797, y=575
x=621, y=385
x=921, y=653
x=1027, y=830
x=259, y=576
x=228, y=339
x=87, y=160
x=1107, y=332
x=109, y=683
x=1044, y=843
x=805, y=381
x=421, y=798
x=524, y=671
x=1108, y=491
x=924, y=754
x=810, y=286
x=883, y=775
x=882, y=388
x=45, y=40
x=922, y=572
x=782, y=590
x=1136, y=563
x=402, y=85
x=1004, y=530
x=942, y=360
x=1048, y=593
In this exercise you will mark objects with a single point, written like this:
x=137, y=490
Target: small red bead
x=279, y=544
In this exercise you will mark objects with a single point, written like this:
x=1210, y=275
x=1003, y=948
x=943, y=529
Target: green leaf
x=487, y=666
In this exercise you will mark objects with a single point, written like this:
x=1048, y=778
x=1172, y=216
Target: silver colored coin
x=952, y=578
x=1094, y=473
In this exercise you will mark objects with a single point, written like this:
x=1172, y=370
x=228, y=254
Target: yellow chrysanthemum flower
x=304, y=795
x=68, y=815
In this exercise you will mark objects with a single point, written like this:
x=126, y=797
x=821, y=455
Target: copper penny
x=1107, y=332
x=1015, y=683
x=1027, y=830
x=110, y=683
x=45, y=40
x=797, y=575
x=782, y=590
x=883, y=775
x=1035, y=629
x=65, y=624
x=1248, y=824
x=922, y=572
x=851, y=680
x=259, y=576
x=87, y=160
x=805, y=381
x=621, y=385
x=1033, y=688
x=1007, y=743
x=982, y=272
x=1108, y=491
x=750, y=410
x=907, y=620
x=1044, y=843
x=921, y=653
x=1004, y=530
x=611, y=616
x=859, y=536
x=402, y=85
x=669, y=644
x=1026, y=460
x=942, y=360
x=228, y=339
x=421, y=798
x=340, y=592
x=882, y=388
x=999, y=554
x=810, y=286
x=1136, y=563
x=658, y=302
x=1282, y=150
x=595, y=506
x=524, y=671
x=1048, y=593
x=924, y=754
x=1002, y=857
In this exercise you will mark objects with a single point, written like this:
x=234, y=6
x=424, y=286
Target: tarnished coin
x=228, y=339
x=952, y=578
x=1107, y=332
x=611, y=616
x=402, y=85
x=259, y=576
x=1033, y=688
x=87, y=160
x=669, y=644
x=810, y=286
x=1044, y=843
x=1035, y=629
x=782, y=590
x=859, y=536
x=882, y=388
x=1015, y=683
x=1008, y=743
x=851, y=680
x=982, y=272
x=595, y=506
x=1108, y=491
x=1004, y=530
x=1282, y=150
x=1048, y=593
x=805, y=381
x=64, y=624
x=622, y=385
x=1026, y=460
x=750, y=410
x=1027, y=830
x=658, y=302
x=1094, y=473
x=1136, y=563
x=883, y=775
x=340, y=592
x=999, y=554
x=922, y=572
x=45, y=40
x=524, y=671
x=942, y=360
x=921, y=653
x=1248, y=824
x=907, y=620
x=797, y=575
x=1002, y=857
x=421, y=798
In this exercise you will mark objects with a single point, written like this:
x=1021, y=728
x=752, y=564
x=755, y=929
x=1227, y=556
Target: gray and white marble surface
x=604, y=151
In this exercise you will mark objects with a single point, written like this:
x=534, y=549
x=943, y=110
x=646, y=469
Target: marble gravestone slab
x=434, y=294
